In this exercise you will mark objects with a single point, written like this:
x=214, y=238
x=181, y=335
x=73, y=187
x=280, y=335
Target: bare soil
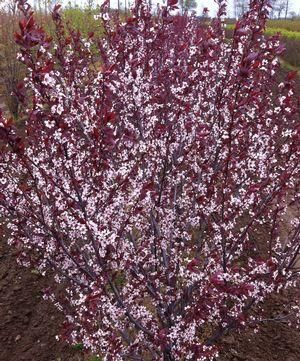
x=275, y=341
x=28, y=324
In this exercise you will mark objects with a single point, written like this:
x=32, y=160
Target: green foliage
x=295, y=35
x=83, y=20
x=290, y=25
x=190, y=4
x=78, y=346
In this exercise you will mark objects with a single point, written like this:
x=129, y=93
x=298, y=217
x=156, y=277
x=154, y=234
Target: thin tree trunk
x=286, y=8
x=168, y=356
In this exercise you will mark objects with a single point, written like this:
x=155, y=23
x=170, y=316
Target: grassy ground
x=290, y=25
x=275, y=28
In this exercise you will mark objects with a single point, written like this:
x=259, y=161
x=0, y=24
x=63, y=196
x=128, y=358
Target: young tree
x=188, y=5
x=273, y=8
x=90, y=4
x=280, y=7
x=287, y=8
x=156, y=187
x=240, y=7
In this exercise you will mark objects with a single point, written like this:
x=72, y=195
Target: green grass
x=83, y=20
x=289, y=66
x=290, y=25
x=78, y=346
x=294, y=35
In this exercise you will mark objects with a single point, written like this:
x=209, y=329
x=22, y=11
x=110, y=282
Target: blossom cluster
x=158, y=178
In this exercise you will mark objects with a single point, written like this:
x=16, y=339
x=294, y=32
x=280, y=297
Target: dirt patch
x=275, y=341
x=28, y=324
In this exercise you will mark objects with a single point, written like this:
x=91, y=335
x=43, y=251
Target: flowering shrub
x=158, y=167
